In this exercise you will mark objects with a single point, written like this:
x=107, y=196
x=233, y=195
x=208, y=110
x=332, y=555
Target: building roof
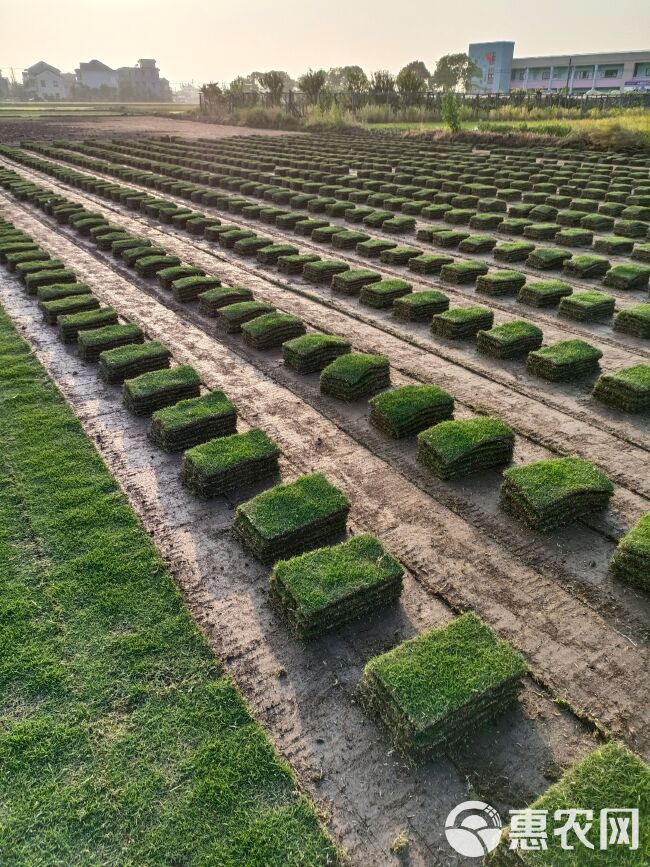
x=593, y=56
x=42, y=66
x=94, y=66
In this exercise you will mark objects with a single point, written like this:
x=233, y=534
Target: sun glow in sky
x=204, y=40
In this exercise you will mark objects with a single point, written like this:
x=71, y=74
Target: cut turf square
x=36, y=279
x=374, y=247
x=351, y=282
x=95, y=341
x=631, y=560
x=312, y=352
x=627, y=389
x=148, y=266
x=193, y=421
x=628, y=276
x=71, y=324
x=420, y=306
x=323, y=589
x=448, y=237
x=349, y=239
x=463, y=272
x=399, y=255
x=548, y=258
x=544, y=293
x=634, y=320
x=211, y=301
x=441, y=686
x=187, y=289
x=574, y=237
x=295, y=264
x=429, y=263
x=405, y=411
x=513, y=251
x=511, y=340
x=565, y=361
x=550, y=494
x=168, y=275
x=213, y=468
x=231, y=317
x=541, y=231
x=323, y=270
x=498, y=283
x=586, y=266
x=272, y=330
x=458, y=323
x=270, y=255
x=151, y=391
x=62, y=290
x=477, y=244
x=292, y=518
x=587, y=306
x=355, y=375
x=125, y=362
x=383, y=293
x=453, y=449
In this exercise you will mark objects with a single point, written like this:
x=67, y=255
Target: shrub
x=126, y=362
x=355, y=375
x=627, y=389
x=213, y=468
x=313, y=352
x=272, y=330
x=511, y=340
x=93, y=342
x=405, y=411
x=550, y=494
x=292, y=518
x=587, y=306
x=461, y=322
x=453, y=449
x=151, y=391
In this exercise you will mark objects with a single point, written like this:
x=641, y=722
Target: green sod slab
x=120, y=246
x=641, y=252
x=570, y=218
x=14, y=259
x=351, y=282
x=565, y=361
x=220, y=465
x=548, y=258
x=130, y=255
x=125, y=362
x=230, y=318
x=428, y=263
x=597, y=222
x=627, y=389
x=398, y=225
x=439, y=687
x=213, y=233
x=375, y=219
x=295, y=264
x=458, y=216
x=25, y=270
x=149, y=266
x=193, y=421
x=405, y=411
x=229, y=239
x=485, y=221
x=628, y=276
x=159, y=388
x=62, y=290
x=587, y=306
x=514, y=225
x=544, y=293
x=513, y=251
x=420, y=306
x=374, y=247
x=541, y=231
x=272, y=330
x=187, y=289
x=399, y=255
x=452, y=449
x=631, y=560
x=250, y=245
x=477, y=244
x=550, y=494
x=498, y=283
x=325, y=234
x=323, y=270
x=291, y=518
x=93, y=342
x=383, y=293
x=574, y=237
x=349, y=239
x=168, y=276
x=458, y=323
x=355, y=375
x=586, y=266
x=511, y=340
x=70, y=325
x=463, y=272
x=306, y=227
x=324, y=589
x=448, y=237
x=51, y=310
x=631, y=228
x=212, y=300
x=313, y=352
x=634, y=320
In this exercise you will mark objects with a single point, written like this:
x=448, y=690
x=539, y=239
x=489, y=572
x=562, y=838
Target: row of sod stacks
x=221, y=296
x=634, y=320
x=461, y=322
x=500, y=283
x=405, y=411
x=352, y=282
x=313, y=352
x=453, y=449
x=553, y=493
x=627, y=389
x=564, y=361
x=291, y=518
x=437, y=688
x=272, y=330
x=193, y=421
x=126, y=362
x=151, y=391
x=511, y=340
x=229, y=462
x=384, y=293
x=631, y=560
x=420, y=306
x=587, y=306
x=230, y=318
x=544, y=293
x=355, y=375
x=323, y=589
x=70, y=325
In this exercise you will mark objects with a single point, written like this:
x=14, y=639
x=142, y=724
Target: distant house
x=94, y=75
x=45, y=82
x=143, y=82
x=4, y=87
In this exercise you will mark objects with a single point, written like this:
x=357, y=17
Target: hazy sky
x=203, y=41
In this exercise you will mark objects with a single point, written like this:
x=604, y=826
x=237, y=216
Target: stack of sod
x=188, y=289
x=323, y=589
x=374, y=247
x=51, y=310
x=477, y=244
x=460, y=322
x=420, y=306
x=62, y=290
x=250, y=245
x=613, y=244
x=511, y=340
x=148, y=266
x=222, y=296
x=323, y=270
x=586, y=266
x=193, y=421
x=548, y=258
x=292, y=518
x=132, y=254
x=500, y=283
x=641, y=252
x=627, y=389
x=383, y=293
x=295, y=264
x=587, y=306
x=513, y=251
x=456, y=448
x=125, y=362
x=231, y=317
x=551, y=494
x=27, y=269
x=355, y=375
x=229, y=239
x=399, y=255
x=351, y=282
x=429, y=263
x=270, y=255
x=70, y=325
x=448, y=237
x=631, y=560
x=168, y=276
x=634, y=320
x=213, y=468
x=609, y=778
x=564, y=361
x=442, y=685
x=541, y=231
x=463, y=272
x=313, y=352
x=95, y=341
x=348, y=239
x=405, y=411
x=574, y=237
x=544, y=293
x=151, y=391
x=13, y=259
x=628, y=276
x=271, y=330
x=121, y=245
x=37, y=279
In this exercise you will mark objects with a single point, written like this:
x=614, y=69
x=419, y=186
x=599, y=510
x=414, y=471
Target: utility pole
x=568, y=76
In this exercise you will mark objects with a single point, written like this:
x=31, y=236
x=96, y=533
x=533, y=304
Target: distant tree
x=356, y=80
x=212, y=95
x=410, y=83
x=312, y=83
x=453, y=71
x=418, y=67
x=382, y=82
x=273, y=82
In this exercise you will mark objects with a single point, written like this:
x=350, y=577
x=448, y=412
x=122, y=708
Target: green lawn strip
x=405, y=411
x=564, y=361
x=125, y=743
x=627, y=389
x=442, y=685
x=553, y=493
x=70, y=325
x=225, y=463
x=452, y=449
x=510, y=340
x=631, y=560
x=323, y=589
x=193, y=421
x=159, y=388
x=312, y=352
x=355, y=375
x=609, y=778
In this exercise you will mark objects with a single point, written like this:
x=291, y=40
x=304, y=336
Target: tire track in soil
x=571, y=649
